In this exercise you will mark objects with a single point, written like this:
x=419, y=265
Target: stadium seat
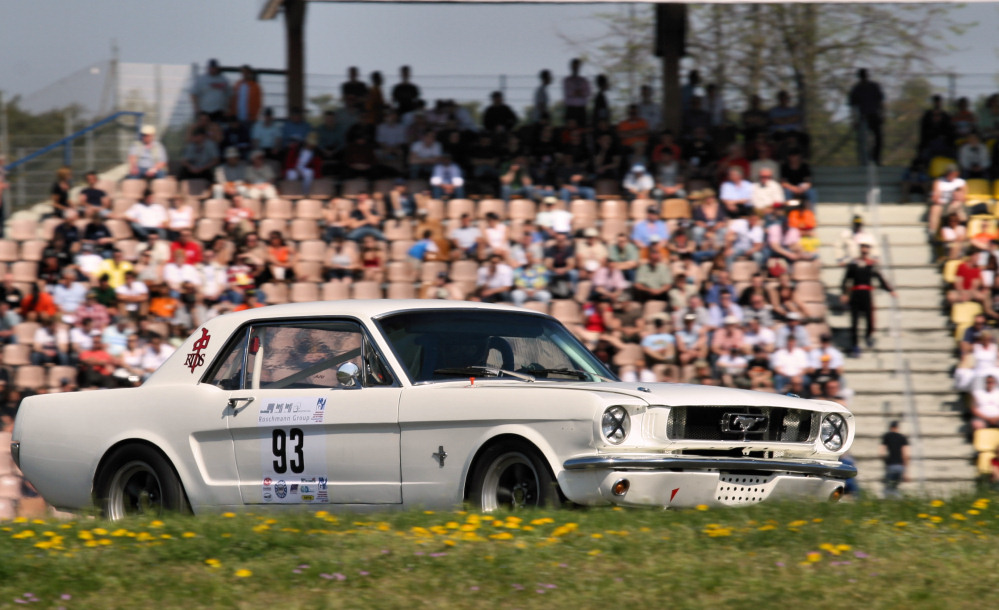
x=24, y=271
x=401, y=290
x=311, y=209
x=336, y=291
x=812, y=291
x=400, y=271
x=979, y=191
x=430, y=269
x=962, y=316
x=676, y=209
x=46, y=228
x=613, y=209
x=268, y=225
x=366, y=290
x=611, y=227
x=312, y=250
x=308, y=271
x=456, y=208
x=464, y=271
x=399, y=249
x=496, y=206
x=275, y=293
x=939, y=164
x=354, y=187
x=566, y=311
x=57, y=373
x=30, y=377
x=165, y=187
x=22, y=229
x=536, y=306
x=583, y=207
x=278, y=208
x=32, y=249
x=215, y=208
x=322, y=188
x=24, y=332
x=303, y=229
x=742, y=271
x=196, y=189
x=290, y=189
x=639, y=208
x=9, y=251
x=986, y=441
x=522, y=209
x=434, y=208
x=607, y=188
x=207, y=229
x=17, y=354
x=304, y=292
x=132, y=188
x=806, y=270
x=398, y=228
x=629, y=354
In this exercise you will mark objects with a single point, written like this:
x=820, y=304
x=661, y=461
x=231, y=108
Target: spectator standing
x=894, y=450
x=541, y=105
x=210, y=92
x=244, y=104
x=575, y=94
x=405, y=94
x=867, y=101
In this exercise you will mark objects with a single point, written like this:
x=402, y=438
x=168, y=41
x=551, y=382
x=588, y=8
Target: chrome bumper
x=839, y=471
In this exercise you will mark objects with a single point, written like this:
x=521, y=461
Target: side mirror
x=348, y=374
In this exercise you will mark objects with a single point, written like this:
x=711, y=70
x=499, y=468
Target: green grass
x=924, y=553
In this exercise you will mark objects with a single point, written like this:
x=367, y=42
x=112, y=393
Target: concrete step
x=864, y=381
x=938, y=423
x=841, y=215
x=902, y=255
x=910, y=319
x=935, y=448
x=924, y=276
x=939, y=469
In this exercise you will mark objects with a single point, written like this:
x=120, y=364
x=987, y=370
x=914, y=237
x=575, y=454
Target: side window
x=229, y=374
x=301, y=355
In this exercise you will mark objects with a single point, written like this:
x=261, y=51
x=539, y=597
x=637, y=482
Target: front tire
x=138, y=480
x=512, y=476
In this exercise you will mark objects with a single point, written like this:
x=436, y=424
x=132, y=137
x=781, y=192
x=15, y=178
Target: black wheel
x=137, y=480
x=513, y=476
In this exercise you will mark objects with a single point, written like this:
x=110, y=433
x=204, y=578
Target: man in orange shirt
x=633, y=128
x=246, y=97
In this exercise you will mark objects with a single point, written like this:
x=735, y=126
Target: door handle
x=235, y=401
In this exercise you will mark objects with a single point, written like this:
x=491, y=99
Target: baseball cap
x=148, y=130
x=231, y=152
x=730, y=319
x=638, y=168
x=590, y=232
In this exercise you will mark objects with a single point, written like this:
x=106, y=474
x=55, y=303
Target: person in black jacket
x=858, y=293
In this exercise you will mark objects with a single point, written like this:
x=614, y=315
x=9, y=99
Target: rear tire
x=513, y=476
x=138, y=480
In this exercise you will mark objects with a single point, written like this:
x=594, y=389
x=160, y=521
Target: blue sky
x=44, y=40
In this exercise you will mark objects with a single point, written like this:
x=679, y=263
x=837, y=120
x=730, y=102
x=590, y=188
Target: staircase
x=849, y=184
x=926, y=342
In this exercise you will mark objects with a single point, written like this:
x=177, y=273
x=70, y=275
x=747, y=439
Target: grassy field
x=912, y=554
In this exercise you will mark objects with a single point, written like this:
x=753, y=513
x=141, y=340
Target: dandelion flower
x=243, y=573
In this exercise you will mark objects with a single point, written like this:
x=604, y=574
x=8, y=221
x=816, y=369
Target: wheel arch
x=500, y=439
x=102, y=464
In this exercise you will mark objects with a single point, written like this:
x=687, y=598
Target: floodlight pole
x=294, y=24
x=671, y=30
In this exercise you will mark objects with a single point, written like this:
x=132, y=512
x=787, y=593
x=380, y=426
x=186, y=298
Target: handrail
x=63, y=142
x=902, y=367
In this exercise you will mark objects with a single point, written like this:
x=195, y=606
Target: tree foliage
x=811, y=50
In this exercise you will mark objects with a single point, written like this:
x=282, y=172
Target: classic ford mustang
x=421, y=404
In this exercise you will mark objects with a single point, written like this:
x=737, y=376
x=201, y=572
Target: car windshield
x=453, y=344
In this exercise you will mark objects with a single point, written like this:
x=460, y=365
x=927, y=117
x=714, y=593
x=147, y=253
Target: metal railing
x=902, y=368
x=66, y=143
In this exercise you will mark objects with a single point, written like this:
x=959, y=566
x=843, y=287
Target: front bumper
x=689, y=481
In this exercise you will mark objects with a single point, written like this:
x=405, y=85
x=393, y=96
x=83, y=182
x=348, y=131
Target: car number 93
x=293, y=462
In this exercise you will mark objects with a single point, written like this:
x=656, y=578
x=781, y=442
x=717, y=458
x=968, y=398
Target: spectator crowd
x=675, y=256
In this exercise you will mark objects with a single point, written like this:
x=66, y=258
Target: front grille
x=740, y=424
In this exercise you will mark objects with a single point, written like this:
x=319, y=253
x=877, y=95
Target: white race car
x=363, y=404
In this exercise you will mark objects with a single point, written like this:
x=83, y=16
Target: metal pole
x=158, y=92
x=502, y=84
x=90, y=150
x=67, y=149
x=22, y=190
x=4, y=133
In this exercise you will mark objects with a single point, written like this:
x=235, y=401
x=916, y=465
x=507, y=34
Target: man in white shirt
x=756, y=334
x=147, y=216
x=466, y=237
x=447, y=180
x=553, y=220
x=69, y=294
x=826, y=348
x=949, y=193
x=494, y=281
x=985, y=405
x=133, y=294
x=212, y=276
x=155, y=354
x=423, y=155
x=638, y=184
x=767, y=192
x=178, y=272
x=788, y=362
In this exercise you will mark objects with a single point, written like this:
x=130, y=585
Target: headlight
x=833, y=431
x=615, y=425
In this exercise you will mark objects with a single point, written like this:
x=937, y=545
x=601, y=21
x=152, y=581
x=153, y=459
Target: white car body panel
x=383, y=446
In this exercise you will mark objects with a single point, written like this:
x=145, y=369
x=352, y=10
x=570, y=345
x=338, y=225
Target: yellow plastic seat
x=963, y=316
x=939, y=164
x=985, y=442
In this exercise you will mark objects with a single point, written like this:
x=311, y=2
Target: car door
x=300, y=434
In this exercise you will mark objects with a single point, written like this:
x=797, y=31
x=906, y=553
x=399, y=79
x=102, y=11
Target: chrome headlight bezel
x=833, y=432
x=615, y=424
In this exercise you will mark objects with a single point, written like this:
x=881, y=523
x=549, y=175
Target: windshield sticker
x=196, y=358
x=300, y=411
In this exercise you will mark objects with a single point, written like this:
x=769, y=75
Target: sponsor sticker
x=308, y=498
x=195, y=358
x=281, y=490
x=297, y=411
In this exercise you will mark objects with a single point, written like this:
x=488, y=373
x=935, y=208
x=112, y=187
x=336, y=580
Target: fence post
x=502, y=85
x=67, y=149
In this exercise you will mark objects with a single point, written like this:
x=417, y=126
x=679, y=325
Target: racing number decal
x=279, y=446
x=293, y=470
